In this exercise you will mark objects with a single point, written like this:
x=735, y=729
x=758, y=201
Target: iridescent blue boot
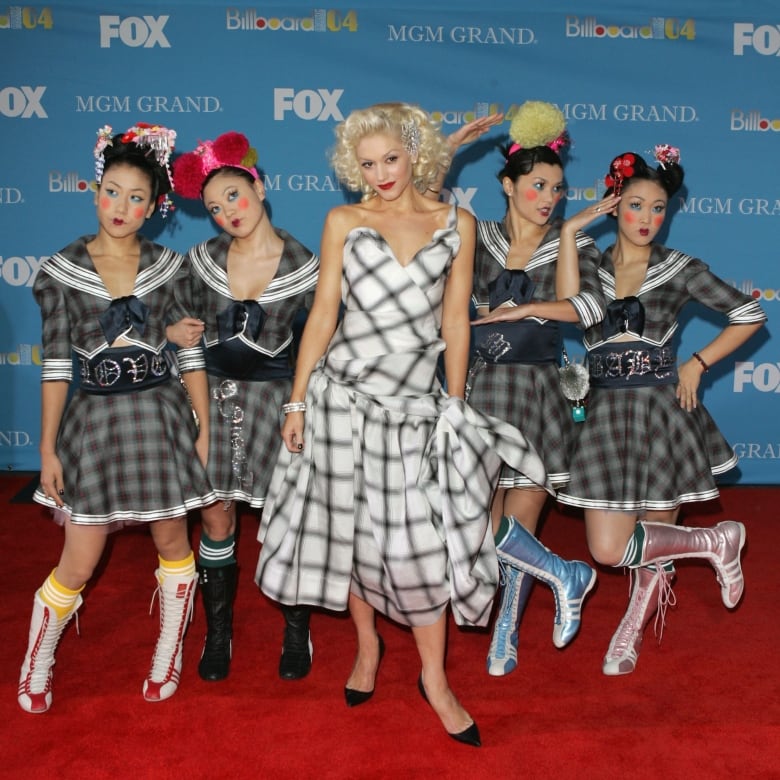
x=516, y=587
x=571, y=581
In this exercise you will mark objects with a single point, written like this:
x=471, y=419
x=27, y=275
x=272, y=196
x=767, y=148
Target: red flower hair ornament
x=620, y=169
x=229, y=150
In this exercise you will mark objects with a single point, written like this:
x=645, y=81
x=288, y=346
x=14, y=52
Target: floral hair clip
x=620, y=169
x=537, y=123
x=229, y=150
x=410, y=137
x=666, y=155
x=105, y=134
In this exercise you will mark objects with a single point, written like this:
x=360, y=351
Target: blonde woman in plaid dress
x=380, y=497
x=249, y=283
x=648, y=445
x=125, y=448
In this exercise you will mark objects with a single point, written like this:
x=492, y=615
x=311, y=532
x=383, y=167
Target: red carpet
x=706, y=703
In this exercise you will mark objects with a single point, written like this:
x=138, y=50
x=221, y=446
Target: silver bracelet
x=294, y=406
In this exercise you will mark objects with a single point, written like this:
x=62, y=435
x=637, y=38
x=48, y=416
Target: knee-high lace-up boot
x=570, y=581
x=651, y=593
x=176, y=596
x=721, y=545
x=217, y=591
x=35, y=681
x=516, y=587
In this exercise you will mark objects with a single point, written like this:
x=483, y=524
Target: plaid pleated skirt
x=242, y=454
x=530, y=398
x=130, y=458
x=390, y=500
x=639, y=450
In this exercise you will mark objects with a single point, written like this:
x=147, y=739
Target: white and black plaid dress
x=390, y=496
x=289, y=293
x=638, y=449
x=528, y=395
x=127, y=457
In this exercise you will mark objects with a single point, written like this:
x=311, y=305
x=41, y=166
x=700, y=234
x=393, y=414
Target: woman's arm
x=197, y=386
x=321, y=321
x=54, y=396
x=567, y=267
x=731, y=338
x=455, y=326
x=470, y=132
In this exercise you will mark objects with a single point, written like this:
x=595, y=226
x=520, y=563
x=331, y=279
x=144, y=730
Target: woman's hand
x=592, y=212
x=473, y=130
x=202, y=445
x=689, y=378
x=292, y=431
x=52, y=482
x=506, y=314
x=186, y=333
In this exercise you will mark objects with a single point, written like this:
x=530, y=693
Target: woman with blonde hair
x=381, y=495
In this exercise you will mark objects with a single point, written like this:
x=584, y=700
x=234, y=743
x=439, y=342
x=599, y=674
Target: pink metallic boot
x=651, y=591
x=721, y=546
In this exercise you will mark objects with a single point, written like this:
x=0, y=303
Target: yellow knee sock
x=182, y=568
x=55, y=595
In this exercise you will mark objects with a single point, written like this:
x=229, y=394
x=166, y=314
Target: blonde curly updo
x=395, y=119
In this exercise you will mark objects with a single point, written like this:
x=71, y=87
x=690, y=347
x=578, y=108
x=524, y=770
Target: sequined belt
x=525, y=341
x=122, y=370
x=234, y=360
x=632, y=364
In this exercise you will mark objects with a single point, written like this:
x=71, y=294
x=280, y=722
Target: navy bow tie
x=241, y=316
x=122, y=314
x=622, y=315
x=515, y=286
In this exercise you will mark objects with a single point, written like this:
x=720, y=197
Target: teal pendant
x=578, y=413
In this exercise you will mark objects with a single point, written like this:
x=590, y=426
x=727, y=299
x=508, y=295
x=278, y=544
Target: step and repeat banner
x=704, y=79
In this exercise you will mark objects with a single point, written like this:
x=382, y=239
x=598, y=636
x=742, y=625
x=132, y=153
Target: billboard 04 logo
x=321, y=20
x=658, y=28
x=26, y=17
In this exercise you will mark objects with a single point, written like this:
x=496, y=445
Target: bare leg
x=608, y=534
x=218, y=522
x=525, y=505
x=431, y=644
x=363, y=677
x=170, y=538
x=84, y=545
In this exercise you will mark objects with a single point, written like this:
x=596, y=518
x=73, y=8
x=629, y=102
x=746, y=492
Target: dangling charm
x=575, y=384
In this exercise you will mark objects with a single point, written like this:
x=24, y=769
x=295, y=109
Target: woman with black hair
x=648, y=445
x=122, y=450
x=527, y=273
x=248, y=285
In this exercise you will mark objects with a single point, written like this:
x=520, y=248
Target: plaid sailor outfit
x=528, y=394
x=390, y=496
x=127, y=436
x=638, y=449
x=249, y=344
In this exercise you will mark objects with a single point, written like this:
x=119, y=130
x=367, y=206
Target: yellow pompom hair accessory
x=537, y=123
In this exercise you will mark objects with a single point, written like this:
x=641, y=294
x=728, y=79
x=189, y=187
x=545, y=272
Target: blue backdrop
x=700, y=75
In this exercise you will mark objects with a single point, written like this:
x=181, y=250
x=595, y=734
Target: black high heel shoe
x=353, y=697
x=469, y=735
